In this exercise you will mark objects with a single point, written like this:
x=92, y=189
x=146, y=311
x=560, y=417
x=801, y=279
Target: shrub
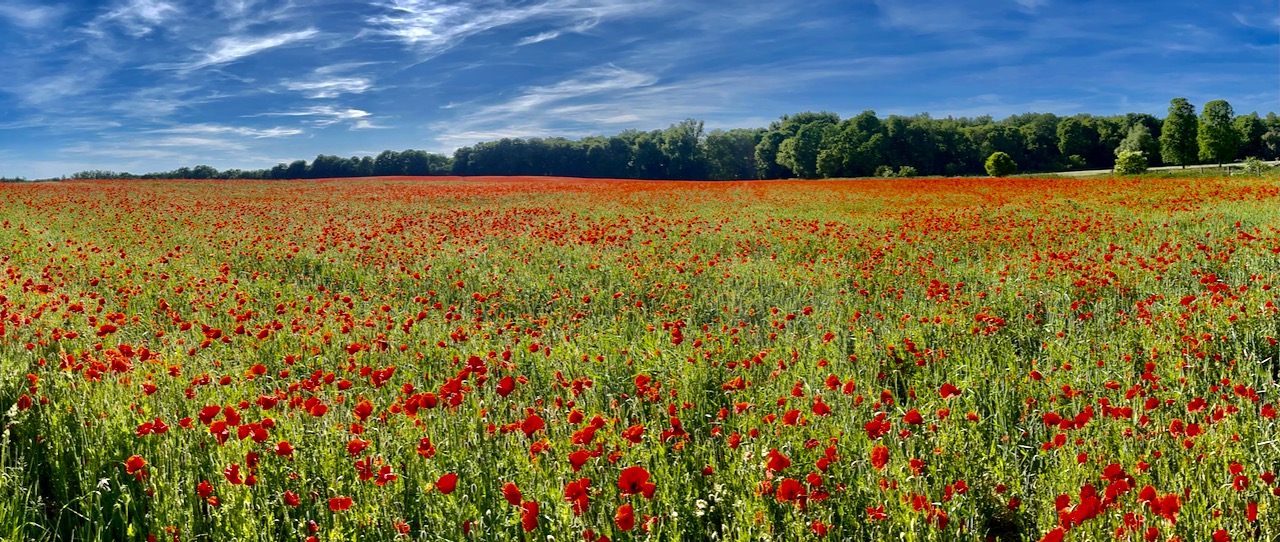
x=1254, y=166
x=884, y=171
x=1131, y=163
x=907, y=171
x=1000, y=164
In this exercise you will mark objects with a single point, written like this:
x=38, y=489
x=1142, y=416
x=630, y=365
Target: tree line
x=819, y=145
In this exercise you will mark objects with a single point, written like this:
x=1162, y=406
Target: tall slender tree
x=1218, y=137
x=1178, y=134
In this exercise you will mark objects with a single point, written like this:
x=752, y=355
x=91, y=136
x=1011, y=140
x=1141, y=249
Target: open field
x=559, y=359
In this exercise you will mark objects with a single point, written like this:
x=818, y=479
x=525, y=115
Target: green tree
x=1040, y=135
x=682, y=145
x=388, y=163
x=1251, y=128
x=731, y=154
x=1218, y=137
x=1000, y=164
x=1178, y=134
x=204, y=172
x=297, y=170
x=799, y=153
x=853, y=148
x=1074, y=137
x=767, y=166
x=1130, y=163
x=768, y=161
x=1138, y=140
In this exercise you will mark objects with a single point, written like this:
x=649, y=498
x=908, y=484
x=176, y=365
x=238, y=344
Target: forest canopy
x=817, y=145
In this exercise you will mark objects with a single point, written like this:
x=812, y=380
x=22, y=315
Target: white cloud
x=30, y=16
x=549, y=35
x=364, y=124
x=1032, y=5
x=56, y=88
x=1262, y=22
x=599, y=80
x=214, y=129
x=229, y=49
x=433, y=26
x=327, y=115
x=137, y=17
x=330, y=82
x=331, y=88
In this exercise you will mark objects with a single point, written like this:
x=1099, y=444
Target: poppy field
x=566, y=359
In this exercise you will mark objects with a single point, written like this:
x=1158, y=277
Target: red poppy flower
x=506, y=386
x=913, y=417
x=577, y=458
x=776, y=461
x=283, y=449
x=625, y=517
x=577, y=493
x=948, y=391
x=529, y=515
x=633, y=433
x=790, y=490
x=339, y=504
x=635, y=480
x=363, y=410
x=134, y=464
x=291, y=499
x=876, y=513
x=425, y=448
x=511, y=493
x=356, y=446
x=531, y=425
x=232, y=474
x=879, y=457
x=447, y=483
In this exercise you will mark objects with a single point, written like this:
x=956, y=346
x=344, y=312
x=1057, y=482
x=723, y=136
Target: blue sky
x=146, y=85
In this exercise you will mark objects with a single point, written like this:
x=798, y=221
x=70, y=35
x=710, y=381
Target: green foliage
x=807, y=145
x=1218, y=137
x=1250, y=128
x=1000, y=164
x=1254, y=166
x=1138, y=140
x=1131, y=163
x=1074, y=137
x=682, y=148
x=907, y=171
x=884, y=171
x=799, y=153
x=1178, y=134
x=731, y=154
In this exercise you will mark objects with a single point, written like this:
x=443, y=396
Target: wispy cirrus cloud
x=432, y=26
x=135, y=17
x=229, y=49
x=331, y=82
x=609, y=98
x=1031, y=5
x=31, y=16
x=330, y=87
x=327, y=115
x=219, y=129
